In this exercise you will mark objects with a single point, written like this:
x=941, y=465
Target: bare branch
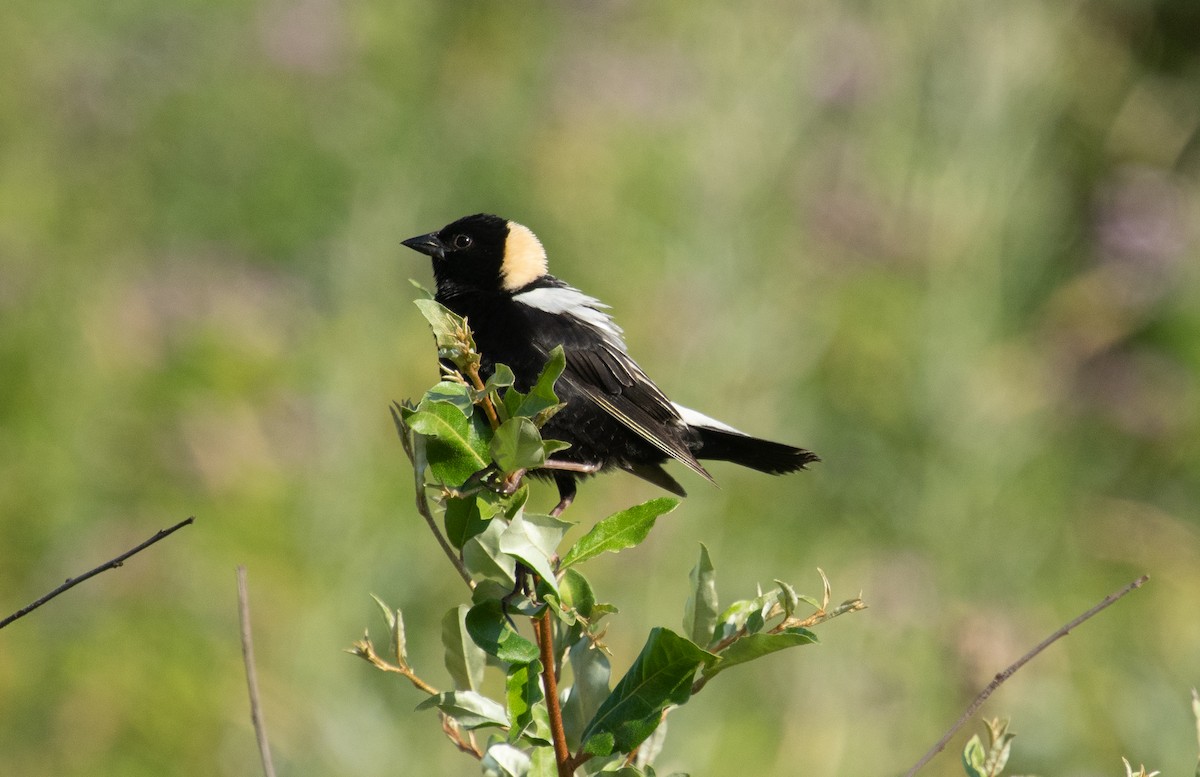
x=256, y=716
x=113, y=564
x=1010, y=671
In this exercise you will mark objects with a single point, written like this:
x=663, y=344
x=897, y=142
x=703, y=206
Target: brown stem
x=256, y=716
x=544, y=631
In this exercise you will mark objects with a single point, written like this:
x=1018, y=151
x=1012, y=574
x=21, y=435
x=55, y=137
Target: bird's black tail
x=774, y=458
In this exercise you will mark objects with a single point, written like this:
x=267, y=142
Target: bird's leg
x=566, y=482
x=566, y=492
x=520, y=588
x=584, y=468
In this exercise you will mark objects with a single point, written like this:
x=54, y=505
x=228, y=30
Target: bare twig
x=423, y=500
x=366, y=651
x=454, y=733
x=256, y=716
x=113, y=564
x=1007, y=673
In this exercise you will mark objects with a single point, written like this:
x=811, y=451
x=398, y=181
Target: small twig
x=477, y=383
x=1007, y=673
x=113, y=564
x=365, y=650
x=822, y=614
x=423, y=500
x=543, y=630
x=453, y=732
x=256, y=716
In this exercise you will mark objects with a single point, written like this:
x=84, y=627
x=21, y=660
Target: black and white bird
x=493, y=272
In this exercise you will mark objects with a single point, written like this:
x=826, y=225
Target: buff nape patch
x=524, y=257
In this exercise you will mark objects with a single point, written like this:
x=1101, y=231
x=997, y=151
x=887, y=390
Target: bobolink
x=493, y=272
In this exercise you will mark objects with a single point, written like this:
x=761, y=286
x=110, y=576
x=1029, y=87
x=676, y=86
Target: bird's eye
x=462, y=241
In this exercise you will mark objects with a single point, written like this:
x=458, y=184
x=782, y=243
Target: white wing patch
x=573, y=302
x=696, y=418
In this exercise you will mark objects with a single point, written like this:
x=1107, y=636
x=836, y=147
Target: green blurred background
x=950, y=246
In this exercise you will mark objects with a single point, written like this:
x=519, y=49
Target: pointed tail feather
x=721, y=442
x=774, y=458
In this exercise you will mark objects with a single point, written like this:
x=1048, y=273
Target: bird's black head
x=482, y=253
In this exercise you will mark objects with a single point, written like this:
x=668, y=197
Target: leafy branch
x=470, y=442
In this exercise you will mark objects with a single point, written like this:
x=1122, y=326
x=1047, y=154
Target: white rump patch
x=524, y=257
x=573, y=302
x=696, y=418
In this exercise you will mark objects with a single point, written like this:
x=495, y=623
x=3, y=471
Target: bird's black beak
x=430, y=245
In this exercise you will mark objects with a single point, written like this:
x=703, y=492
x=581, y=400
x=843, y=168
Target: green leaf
x=700, y=612
x=788, y=599
x=592, y=673
x=504, y=760
x=600, y=745
x=573, y=608
x=456, y=445
x=541, y=402
x=486, y=562
x=449, y=332
x=660, y=676
x=456, y=394
x=464, y=659
x=522, y=691
x=533, y=539
x=649, y=750
x=517, y=445
x=754, y=646
x=397, y=645
x=750, y=614
x=543, y=763
x=491, y=631
x=470, y=709
x=463, y=520
x=1000, y=742
x=973, y=757
x=502, y=377
x=576, y=592
x=619, y=531
x=425, y=293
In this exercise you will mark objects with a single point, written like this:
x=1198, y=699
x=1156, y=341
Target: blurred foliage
x=949, y=246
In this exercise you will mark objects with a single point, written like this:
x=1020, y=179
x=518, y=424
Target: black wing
x=612, y=380
x=599, y=369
